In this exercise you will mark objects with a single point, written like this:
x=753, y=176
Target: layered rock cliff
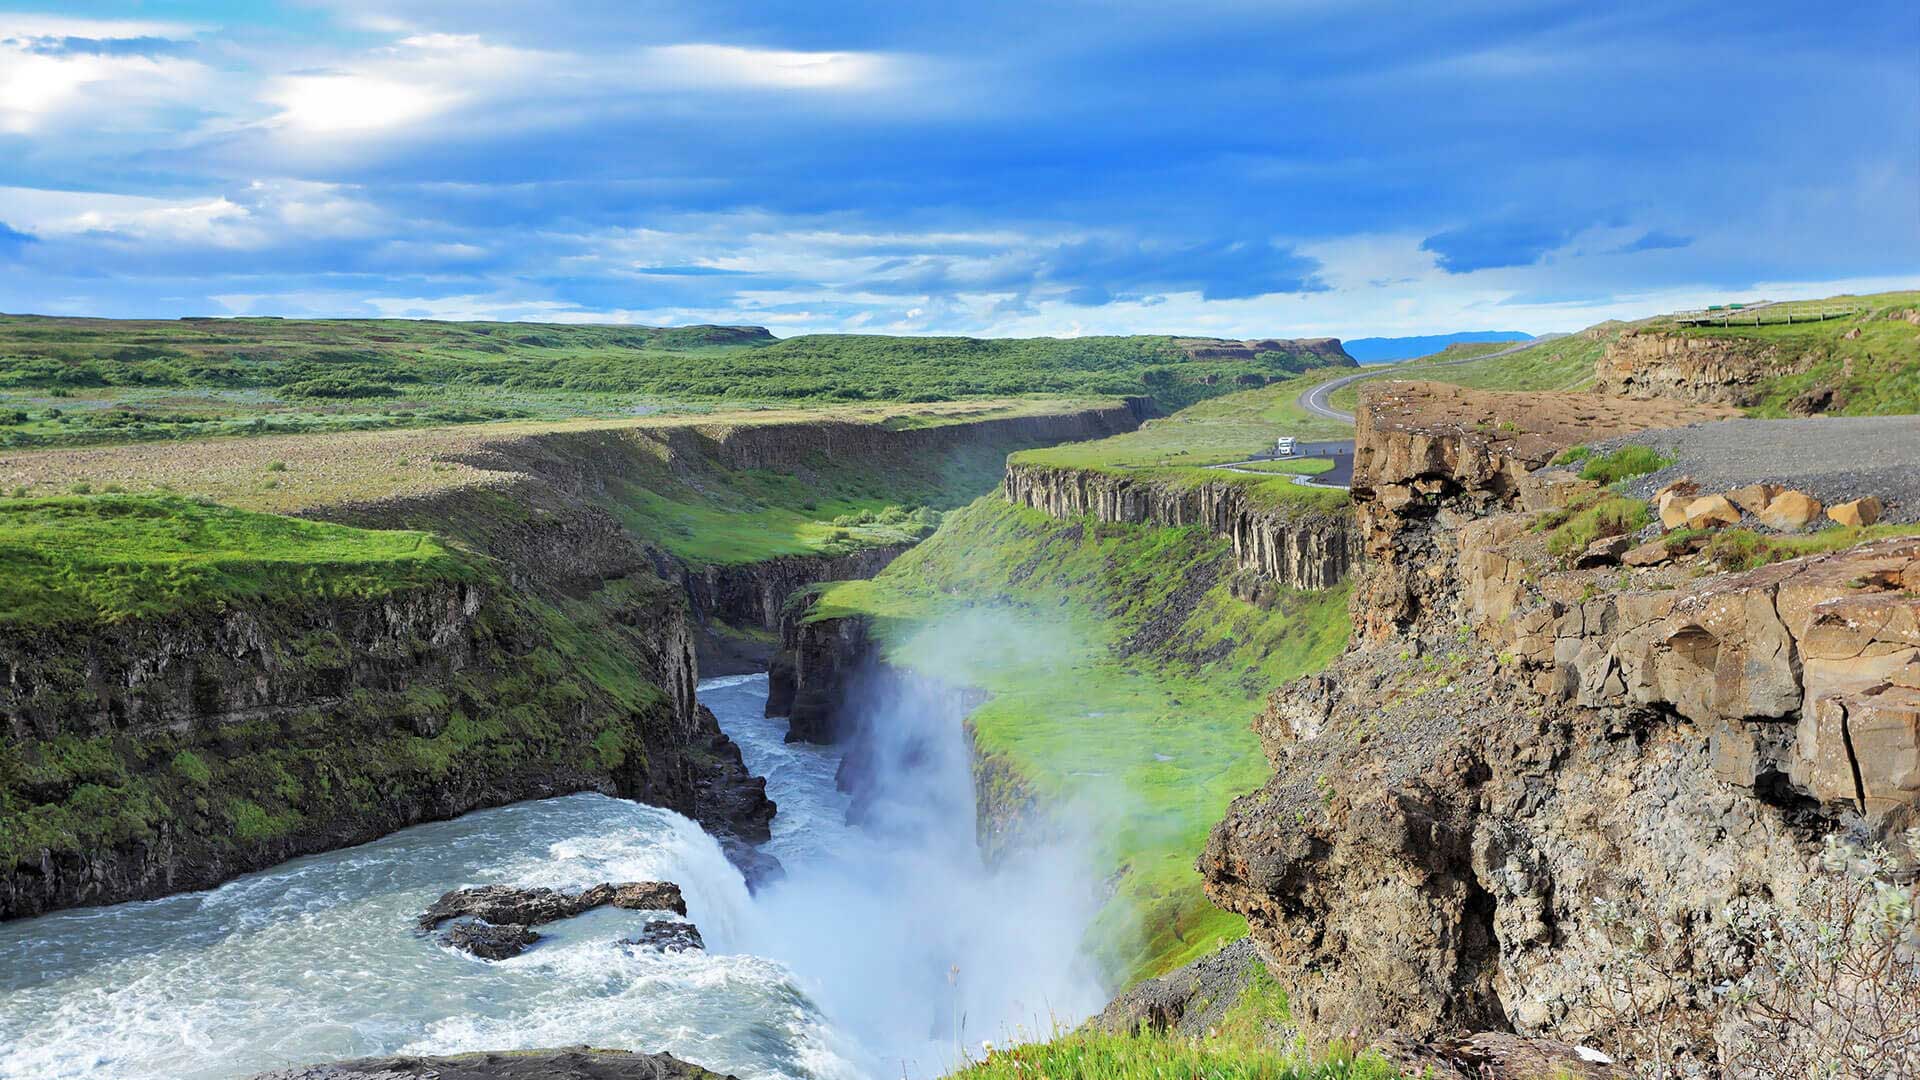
x=749, y=597
x=1300, y=547
x=1513, y=741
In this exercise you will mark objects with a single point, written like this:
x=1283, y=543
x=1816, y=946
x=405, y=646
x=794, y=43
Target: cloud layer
x=1302, y=168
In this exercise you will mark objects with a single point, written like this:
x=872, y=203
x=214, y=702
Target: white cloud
x=44, y=90
x=256, y=215
x=416, y=79
x=423, y=78
x=734, y=66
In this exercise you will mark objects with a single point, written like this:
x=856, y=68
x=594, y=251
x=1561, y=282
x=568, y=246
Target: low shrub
x=1622, y=464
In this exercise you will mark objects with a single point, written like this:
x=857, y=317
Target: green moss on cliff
x=109, y=558
x=552, y=696
x=1122, y=670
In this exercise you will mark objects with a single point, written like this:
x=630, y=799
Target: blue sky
x=1291, y=167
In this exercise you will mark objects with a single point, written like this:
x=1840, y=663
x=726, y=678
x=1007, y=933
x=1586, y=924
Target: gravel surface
x=1834, y=459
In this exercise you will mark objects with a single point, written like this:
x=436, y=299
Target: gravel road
x=1833, y=459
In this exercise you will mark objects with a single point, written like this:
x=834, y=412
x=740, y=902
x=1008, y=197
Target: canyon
x=172, y=752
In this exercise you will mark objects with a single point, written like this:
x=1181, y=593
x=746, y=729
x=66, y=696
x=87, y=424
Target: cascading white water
x=885, y=947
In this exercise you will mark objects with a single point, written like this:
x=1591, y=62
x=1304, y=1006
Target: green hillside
x=67, y=382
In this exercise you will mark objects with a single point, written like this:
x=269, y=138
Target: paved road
x=1318, y=400
x=1832, y=458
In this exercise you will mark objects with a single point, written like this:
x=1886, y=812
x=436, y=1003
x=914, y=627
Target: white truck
x=1284, y=446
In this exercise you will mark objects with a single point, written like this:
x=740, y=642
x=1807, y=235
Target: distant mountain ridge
x=1380, y=350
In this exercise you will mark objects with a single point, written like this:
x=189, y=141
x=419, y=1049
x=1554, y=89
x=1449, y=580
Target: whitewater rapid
x=887, y=950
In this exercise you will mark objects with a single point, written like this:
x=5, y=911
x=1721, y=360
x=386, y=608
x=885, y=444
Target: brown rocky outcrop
x=1685, y=367
x=1857, y=512
x=1299, y=547
x=1430, y=452
x=1512, y=741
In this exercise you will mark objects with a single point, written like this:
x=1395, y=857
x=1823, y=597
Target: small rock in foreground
x=668, y=936
x=1496, y=1055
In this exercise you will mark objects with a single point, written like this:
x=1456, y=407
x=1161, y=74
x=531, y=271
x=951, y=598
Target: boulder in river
x=490, y=942
x=504, y=905
x=668, y=935
x=568, y=1063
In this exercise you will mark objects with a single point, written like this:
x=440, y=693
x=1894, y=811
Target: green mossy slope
x=1122, y=670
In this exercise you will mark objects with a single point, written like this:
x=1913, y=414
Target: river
x=889, y=949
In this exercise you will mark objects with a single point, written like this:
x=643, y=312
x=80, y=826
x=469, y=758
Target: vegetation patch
x=1867, y=364
x=1564, y=363
x=1611, y=468
x=1570, y=531
x=1092, y=1055
x=71, y=382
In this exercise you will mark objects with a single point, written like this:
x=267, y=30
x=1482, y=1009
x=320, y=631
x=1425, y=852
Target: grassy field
x=1121, y=671
x=1876, y=372
x=108, y=558
x=1564, y=363
x=1251, y=1042
x=73, y=382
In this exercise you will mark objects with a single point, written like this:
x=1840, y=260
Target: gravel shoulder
x=1834, y=459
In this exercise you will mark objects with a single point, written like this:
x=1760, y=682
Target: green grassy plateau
x=76, y=559
x=1176, y=449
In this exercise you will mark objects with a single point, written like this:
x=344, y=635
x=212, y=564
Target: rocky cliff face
x=813, y=673
x=1511, y=741
x=1651, y=364
x=1298, y=547
x=749, y=596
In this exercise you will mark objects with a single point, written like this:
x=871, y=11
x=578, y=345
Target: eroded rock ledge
x=1652, y=364
x=1511, y=741
x=1298, y=547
